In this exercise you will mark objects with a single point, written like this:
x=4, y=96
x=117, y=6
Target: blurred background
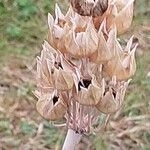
x=23, y=27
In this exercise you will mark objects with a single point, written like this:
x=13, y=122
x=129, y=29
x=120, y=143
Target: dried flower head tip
x=90, y=7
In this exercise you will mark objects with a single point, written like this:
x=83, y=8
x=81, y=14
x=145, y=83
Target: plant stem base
x=72, y=139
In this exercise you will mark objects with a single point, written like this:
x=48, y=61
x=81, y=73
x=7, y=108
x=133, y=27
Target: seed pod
x=82, y=44
x=57, y=29
x=103, y=52
x=123, y=65
x=115, y=14
x=90, y=93
x=44, y=76
x=45, y=65
x=113, y=98
x=79, y=23
x=99, y=8
x=56, y=36
x=51, y=107
x=82, y=7
x=120, y=11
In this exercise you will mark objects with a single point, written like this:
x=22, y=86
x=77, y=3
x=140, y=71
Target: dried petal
x=59, y=15
x=63, y=80
x=103, y=53
x=50, y=20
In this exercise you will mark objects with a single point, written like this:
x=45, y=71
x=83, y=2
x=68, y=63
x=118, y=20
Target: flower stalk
x=72, y=139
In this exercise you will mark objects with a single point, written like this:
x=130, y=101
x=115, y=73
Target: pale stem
x=72, y=139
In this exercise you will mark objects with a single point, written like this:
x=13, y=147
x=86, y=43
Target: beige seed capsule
x=123, y=65
x=90, y=94
x=113, y=98
x=51, y=107
x=115, y=14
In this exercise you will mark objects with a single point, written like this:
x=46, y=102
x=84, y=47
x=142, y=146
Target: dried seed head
x=83, y=70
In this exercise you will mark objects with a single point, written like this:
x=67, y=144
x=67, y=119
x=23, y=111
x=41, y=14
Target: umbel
x=83, y=71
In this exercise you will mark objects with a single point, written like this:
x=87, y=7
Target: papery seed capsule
x=90, y=92
x=51, y=107
x=115, y=15
x=103, y=52
x=82, y=44
x=118, y=13
x=123, y=64
x=113, y=98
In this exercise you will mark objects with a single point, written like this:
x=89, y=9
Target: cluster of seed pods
x=83, y=71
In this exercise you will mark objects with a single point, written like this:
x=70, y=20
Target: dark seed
x=79, y=85
x=114, y=93
x=85, y=84
x=55, y=100
x=58, y=64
